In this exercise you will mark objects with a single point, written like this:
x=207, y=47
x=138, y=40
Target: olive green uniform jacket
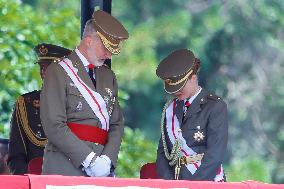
x=62, y=102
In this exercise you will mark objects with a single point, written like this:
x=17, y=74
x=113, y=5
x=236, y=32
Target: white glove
x=100, y=167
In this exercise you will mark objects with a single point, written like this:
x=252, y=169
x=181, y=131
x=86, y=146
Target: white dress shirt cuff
x=88, y=159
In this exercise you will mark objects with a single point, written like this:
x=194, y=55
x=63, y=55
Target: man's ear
x=88, y=41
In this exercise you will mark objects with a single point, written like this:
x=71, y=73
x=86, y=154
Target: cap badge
x=43, y=50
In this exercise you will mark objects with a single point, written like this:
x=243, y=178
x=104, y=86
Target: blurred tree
x=136, y=151
x=248, y=169
x=156, y=29
x=21, y=28
x=249, y=70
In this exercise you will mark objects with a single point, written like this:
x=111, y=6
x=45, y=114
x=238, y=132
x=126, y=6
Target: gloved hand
x=100, y=167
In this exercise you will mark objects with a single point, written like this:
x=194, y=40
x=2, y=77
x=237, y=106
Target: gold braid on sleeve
x=23, y=118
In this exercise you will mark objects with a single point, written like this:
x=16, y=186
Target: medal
x=79, y=106
x=198, y=136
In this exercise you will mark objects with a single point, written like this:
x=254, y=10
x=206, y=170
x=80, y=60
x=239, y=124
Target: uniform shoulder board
x=106, y=66
x=213, y=97
x=58, y=59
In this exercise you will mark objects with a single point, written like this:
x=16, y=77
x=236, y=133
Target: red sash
x=89, y=133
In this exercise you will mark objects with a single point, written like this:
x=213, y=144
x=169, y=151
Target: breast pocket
x=75, y=100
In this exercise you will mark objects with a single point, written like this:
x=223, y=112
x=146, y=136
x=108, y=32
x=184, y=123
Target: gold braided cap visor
x=112, y=47
x=175, y=84
x=171, y=82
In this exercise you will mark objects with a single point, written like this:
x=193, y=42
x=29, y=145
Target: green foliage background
x=240, y=44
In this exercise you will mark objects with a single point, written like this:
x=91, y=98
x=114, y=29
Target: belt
x=191, y=159
x=89, y=133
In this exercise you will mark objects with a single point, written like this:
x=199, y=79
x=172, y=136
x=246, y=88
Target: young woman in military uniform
x=194, y=123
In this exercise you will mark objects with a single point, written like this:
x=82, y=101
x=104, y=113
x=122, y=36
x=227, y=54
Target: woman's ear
x=194, y=77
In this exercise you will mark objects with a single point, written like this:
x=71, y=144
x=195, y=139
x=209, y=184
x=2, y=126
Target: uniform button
x=38, y=134
x=39, y=125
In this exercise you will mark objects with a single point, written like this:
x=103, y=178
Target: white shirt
x=191, y=98
x=87, y=161
x=84, y=60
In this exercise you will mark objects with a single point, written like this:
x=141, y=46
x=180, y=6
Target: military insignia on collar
x=198, y=136
x=110, y=100
x=38, y=134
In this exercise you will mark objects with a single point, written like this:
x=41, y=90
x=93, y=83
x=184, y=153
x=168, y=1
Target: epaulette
x=213, y=97
x=22, y=117
x=106, y=66
x=58, y=59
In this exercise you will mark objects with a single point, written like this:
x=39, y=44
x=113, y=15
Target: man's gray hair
x=89, y=28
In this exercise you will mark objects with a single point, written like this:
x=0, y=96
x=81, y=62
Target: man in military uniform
x=80, y=112
x=194, y=123
x=27, y=139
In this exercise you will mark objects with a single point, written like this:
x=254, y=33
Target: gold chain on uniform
x=23, y=117
x=175, y=154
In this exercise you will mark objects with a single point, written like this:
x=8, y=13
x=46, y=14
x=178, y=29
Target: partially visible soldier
x=27, y=138
x=3, y=156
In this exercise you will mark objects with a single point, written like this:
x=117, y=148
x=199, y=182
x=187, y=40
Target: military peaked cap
x=48, y=53
x=110, y=30
x=176, y=69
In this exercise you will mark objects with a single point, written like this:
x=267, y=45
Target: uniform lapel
x=178, y=111
x=82, y=73
x=99, y=75
x=195, y=105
